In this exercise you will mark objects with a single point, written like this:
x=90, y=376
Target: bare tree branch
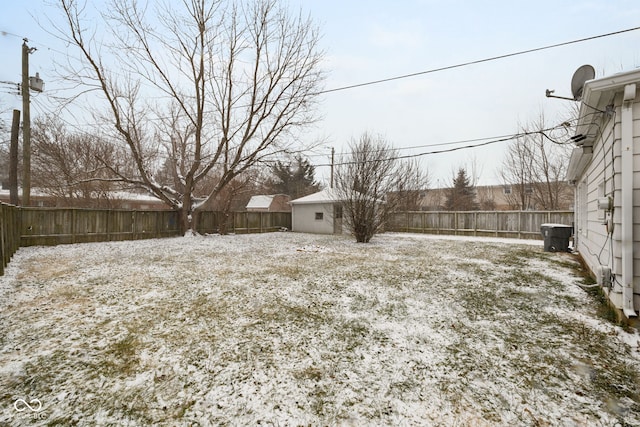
x=237, y=80
x=371, y=182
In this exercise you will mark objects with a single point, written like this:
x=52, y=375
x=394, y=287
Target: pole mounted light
x=26, y=121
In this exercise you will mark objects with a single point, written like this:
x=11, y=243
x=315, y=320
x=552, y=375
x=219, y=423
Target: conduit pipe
x=626, y=148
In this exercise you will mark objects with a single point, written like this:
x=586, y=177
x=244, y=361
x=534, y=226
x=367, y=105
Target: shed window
x=319, y=216
x=507, y=190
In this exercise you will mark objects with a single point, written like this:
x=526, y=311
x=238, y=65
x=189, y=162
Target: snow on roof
x=328, y=195
x=260, y=202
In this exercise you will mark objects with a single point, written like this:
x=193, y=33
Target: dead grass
x=311, y=330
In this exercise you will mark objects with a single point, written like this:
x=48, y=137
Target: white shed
x=605, y=168
x=319, y=213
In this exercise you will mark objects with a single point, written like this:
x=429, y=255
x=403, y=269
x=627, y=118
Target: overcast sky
x=377, y=39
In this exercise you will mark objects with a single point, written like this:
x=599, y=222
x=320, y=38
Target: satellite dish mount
x=580, y=77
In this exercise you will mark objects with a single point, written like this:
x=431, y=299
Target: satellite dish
x=582, y=74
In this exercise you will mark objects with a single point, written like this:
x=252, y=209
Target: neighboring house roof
x=328, y=195
x=260, y=202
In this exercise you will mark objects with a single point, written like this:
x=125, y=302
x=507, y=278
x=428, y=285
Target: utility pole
x=332, y=160
x=13, y=159
x=26, y=126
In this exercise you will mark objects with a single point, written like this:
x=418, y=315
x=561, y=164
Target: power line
x=404, y=76
x=449, y=150
x=435, y=70
x=479, y=61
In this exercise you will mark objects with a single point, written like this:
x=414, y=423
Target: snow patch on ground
x=298, y=329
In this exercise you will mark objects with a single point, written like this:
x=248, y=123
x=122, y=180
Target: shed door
x=337, y=219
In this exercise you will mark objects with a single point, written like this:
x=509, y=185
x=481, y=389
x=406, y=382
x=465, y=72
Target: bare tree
x=364, y=180
x=410, y=189
x=517, y=173
x=534, y=168
x=213, y=86
x=234, y=197
x=65, y=165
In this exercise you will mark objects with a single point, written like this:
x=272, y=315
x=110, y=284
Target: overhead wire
x=478, y=61
x=486, y=141
x=434, y=70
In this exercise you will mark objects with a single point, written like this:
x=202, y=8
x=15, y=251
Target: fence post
x=455, y=223
x=475, y=223
x=3, y=242
x=519, y=224
x=73, y=226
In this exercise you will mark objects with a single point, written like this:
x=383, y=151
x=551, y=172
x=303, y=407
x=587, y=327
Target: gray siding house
x=605, y=168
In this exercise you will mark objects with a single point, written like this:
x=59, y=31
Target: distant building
x=269, y=203
x=501, y=197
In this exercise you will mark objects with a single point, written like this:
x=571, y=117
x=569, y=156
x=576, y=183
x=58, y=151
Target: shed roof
x=260, y=202
x=328, y=195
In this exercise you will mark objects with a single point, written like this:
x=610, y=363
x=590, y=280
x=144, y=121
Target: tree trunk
x=187, y=217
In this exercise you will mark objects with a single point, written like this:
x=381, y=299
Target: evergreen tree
x=297, y=178
x=462, y=196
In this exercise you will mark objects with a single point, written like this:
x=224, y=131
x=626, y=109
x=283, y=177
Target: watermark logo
x=31, y=408
x=21, y=405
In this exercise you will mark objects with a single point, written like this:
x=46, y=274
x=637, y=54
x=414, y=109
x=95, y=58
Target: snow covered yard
x=295, y=329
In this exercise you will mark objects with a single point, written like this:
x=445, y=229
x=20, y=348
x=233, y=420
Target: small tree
x=366, y=177
x=462, y=195
x=296, y=179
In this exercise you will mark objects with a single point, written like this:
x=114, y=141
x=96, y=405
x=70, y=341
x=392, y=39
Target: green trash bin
x=556, y=237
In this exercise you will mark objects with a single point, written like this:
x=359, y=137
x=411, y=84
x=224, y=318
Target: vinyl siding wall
x=603, y=178
x=304, y=218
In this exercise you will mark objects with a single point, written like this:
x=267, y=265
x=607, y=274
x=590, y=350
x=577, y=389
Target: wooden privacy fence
x=513, y=224
x=28, y=226
x=54, y=226
x=9, y=233
x=243, y=222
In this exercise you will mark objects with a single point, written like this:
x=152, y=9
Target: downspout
x=627, y=199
